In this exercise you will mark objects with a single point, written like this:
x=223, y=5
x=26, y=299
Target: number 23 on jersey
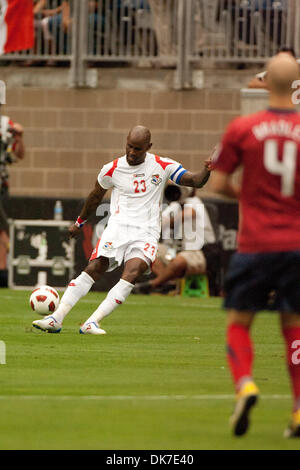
x=150, y=248
x=139, y=186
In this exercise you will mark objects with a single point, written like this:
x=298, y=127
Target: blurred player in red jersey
x=267, y=146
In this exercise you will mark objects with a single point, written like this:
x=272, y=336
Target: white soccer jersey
x=137, y=193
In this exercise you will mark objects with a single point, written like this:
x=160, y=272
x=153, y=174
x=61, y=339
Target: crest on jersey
x=155, y=179
x=108, y=246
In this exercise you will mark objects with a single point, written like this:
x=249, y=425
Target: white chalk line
x=133, y=397
x=141, y=304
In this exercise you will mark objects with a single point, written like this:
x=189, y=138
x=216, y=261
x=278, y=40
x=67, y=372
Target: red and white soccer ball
x=44, y=300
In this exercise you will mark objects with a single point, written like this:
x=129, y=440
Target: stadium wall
x=71, y=133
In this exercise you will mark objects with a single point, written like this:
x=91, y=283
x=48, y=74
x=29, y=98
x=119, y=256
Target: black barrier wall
x=224, y=217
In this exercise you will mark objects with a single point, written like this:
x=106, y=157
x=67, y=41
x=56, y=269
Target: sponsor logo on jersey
x=137, y=175
x=108, y=246
x=155, y=179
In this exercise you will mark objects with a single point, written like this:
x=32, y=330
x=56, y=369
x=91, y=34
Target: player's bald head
x=141, y=134
x=138, y=144
x=282, y=71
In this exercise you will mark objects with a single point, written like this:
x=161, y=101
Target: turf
x=157, y=380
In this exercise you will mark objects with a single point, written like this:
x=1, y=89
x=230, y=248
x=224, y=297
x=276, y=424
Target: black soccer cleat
x=293, y=429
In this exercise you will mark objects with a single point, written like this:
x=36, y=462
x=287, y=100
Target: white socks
x=77, y=288
x=80, y=286
x=116, y=296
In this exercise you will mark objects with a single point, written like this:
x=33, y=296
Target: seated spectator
x=176, y=260
x=247, y=20
x=59, y=21
x=119, y=17
x=54, y=23
x=163, y=25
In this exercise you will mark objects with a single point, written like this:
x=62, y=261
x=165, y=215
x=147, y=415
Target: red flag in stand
x=16, y=25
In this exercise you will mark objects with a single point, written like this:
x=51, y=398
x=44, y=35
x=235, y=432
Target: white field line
x=133, y=397
x=130, y=302
x=142, y=304
x=179, y=304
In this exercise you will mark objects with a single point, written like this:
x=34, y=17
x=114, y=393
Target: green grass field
x=157, y=380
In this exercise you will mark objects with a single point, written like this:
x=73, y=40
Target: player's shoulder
x=106, y=176
x=155, y=159
x=242, y=124
x=248, y=119
x=113, y=164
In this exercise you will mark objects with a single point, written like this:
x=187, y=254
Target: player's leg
x=290, y=327
x=247, y=287
x=288, y=303
x=158, y=266
x=185, y=263
x=240, y=359
x=76, y=289
x=174, y=270
x=133, y=268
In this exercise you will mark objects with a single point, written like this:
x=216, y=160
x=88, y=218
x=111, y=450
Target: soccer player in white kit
x=137, y=181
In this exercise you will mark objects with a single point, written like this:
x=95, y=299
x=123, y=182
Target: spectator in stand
x=53, y=17
x=163, y=24
x=59, y=21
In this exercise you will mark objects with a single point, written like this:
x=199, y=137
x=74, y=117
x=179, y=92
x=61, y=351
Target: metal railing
x=53, y=40
x=130, y=31
x=242, y=30
x=180, y=34
x=236, y=31
x=124, y=30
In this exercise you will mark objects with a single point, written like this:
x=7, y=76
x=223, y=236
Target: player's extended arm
x=91, y=203
x=221, y=183
x=197, y=180
x=257, y=83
